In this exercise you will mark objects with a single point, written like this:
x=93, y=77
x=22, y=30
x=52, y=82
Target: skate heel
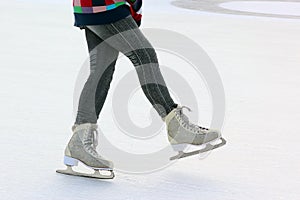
x=70, y=161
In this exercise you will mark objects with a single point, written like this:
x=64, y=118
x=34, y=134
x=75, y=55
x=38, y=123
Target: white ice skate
x=183, y=135
x=82, y=148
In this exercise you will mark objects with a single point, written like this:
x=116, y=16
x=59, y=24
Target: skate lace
x=92, y=141
x=184, y=121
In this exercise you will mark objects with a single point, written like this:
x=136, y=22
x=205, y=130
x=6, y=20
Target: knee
x=142, y=56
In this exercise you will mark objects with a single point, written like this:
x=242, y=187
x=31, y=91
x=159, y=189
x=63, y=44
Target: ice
x=257, y=58
x=281, y=8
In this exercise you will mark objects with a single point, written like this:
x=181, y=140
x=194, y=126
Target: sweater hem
x=106, y=17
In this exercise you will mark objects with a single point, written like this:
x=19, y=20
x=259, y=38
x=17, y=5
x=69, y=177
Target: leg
x=126, y=37
x=102, y=65
x=83, y=143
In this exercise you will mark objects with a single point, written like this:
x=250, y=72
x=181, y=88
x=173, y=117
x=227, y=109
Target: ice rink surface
x=258, y=60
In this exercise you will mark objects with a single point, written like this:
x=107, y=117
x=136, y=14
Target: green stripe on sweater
x=77, y=9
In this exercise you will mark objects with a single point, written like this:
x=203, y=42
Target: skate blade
x=96, y=174
x=207, y=148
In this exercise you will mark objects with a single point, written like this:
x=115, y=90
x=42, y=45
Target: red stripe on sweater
x=108, y=2
x=135, y=16
x=86, y=3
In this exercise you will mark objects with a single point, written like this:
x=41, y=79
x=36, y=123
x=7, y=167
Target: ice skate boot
x=82, y=148
x=183, y=134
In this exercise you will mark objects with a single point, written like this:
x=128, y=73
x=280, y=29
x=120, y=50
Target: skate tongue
x=190, y=110
x=95, y=138
x=77, y=127
x=184, y=117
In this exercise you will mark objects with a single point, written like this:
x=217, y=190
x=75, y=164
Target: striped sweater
x=95, y=12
